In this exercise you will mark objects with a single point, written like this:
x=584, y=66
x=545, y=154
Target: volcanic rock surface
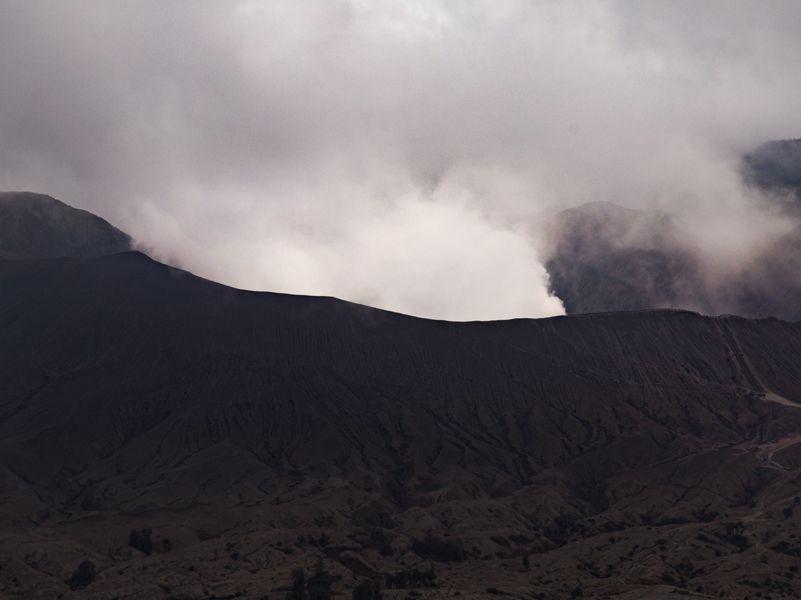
x=191, y=440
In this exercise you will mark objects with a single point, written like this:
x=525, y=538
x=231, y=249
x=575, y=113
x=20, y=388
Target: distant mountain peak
x=602, y=257
x=40, y=226
x=775, y=165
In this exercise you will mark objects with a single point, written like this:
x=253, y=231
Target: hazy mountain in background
x=606, y=257
x=38, y=226
x=776, y=166
x=183, y=439
x=603, y=257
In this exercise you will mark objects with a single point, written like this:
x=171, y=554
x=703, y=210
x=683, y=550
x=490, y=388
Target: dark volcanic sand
x=625, y=453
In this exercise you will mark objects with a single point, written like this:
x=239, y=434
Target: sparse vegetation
x=319, y=585
x=734, y=533
x=788, y=548
x=141, y=539
x=411, y=578
x=298, y=591
x=83, y=575
x=316, y=587
x=704, y=515
x=368, y=589
x=441, y=550
x=768, y=583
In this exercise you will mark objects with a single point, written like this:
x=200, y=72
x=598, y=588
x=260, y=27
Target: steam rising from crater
x=403, y=154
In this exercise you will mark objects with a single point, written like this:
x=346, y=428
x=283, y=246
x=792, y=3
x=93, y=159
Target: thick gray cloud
x=401, y=154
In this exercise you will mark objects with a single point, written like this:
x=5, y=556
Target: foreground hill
x=246, y=434
x=39, y=226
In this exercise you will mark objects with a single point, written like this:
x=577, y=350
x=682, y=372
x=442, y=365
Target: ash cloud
x=402, y=154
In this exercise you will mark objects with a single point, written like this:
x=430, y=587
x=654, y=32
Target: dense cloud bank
x=403, y=154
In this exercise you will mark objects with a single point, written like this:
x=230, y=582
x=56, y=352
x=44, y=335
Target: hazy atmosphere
x=401, y=154
x=409, y=300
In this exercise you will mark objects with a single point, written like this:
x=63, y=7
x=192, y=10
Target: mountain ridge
x=194, y=441
x=149, y=398
x=40, y=226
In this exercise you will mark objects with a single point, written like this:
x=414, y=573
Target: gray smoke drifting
x=402, y=154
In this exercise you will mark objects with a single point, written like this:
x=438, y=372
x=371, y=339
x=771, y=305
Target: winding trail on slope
x=747, y=370
x=764, y=452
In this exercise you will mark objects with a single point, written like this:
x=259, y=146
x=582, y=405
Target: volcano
x=165, y=436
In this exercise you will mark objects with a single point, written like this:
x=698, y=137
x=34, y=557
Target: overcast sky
x=399, y=154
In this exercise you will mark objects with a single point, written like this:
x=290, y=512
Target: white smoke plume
x=402, y=154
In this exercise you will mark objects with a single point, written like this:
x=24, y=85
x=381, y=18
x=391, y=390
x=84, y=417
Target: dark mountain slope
x=38, y=226
x=134, y=395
